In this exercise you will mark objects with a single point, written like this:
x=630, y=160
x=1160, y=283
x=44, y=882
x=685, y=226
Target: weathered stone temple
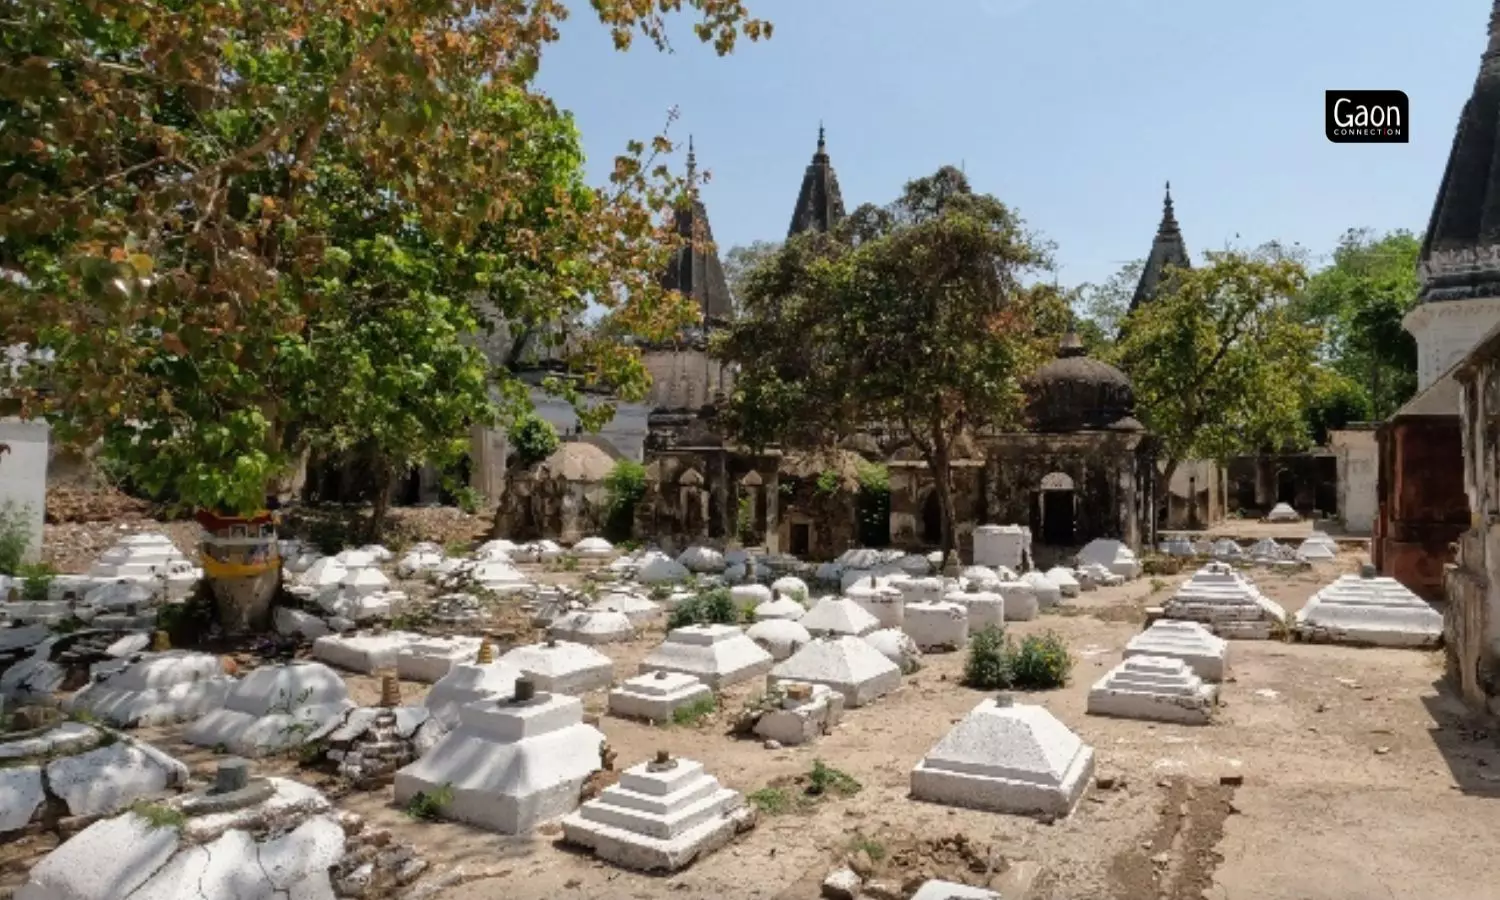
x=1422, y=503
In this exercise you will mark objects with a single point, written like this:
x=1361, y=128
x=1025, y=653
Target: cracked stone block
x=807, y=711
x=1016, y=759
x=1155, y=688
x=717, y=655
x=1373, y=611
x=21, y=794
x=936, y=626
x=510, y=765
x=659, y=817
x=563, y=667
x=157, y=689
x=429, y=659
x=273, y=708
x=655, y=696
x=846, y=664
x=108, y=779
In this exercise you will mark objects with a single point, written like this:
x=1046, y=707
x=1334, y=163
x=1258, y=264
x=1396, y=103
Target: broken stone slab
x=656, y=696
x=937, y=627
x=21, y=795
x=1155, y=688
x=950, y=890
x=156, y=689
x=1065, y=581
x=370, y=743
x=717, y=655
x=364, y=653
x=1008, y=758
x=562, y=667
x=634, y=607
x=846, y=664
x=107, y=779
x=659, y=817
x=898, y=647
x=63, y=738
x=804, y=712
x=510, y=765
x=271, y=709
x=779, y=637
x=290, y=621
x=838, y=615
x=467, y=683
x=1369, y=611
x=585, y=627
x=429, y=659
x=884, y=602
x=1197, y=647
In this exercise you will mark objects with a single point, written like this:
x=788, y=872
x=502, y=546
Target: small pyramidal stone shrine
x=659, y=817
x=1009, y=758
x=1370, y=610
x=1156, y=688
x=1227, y=603
x=717, y=655
x=1199, y=648
x=510, y=764
x=656, y=696
x=846, y=664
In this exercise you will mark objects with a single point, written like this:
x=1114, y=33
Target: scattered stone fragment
x=800, y=713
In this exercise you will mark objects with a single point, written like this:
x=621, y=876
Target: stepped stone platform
x=596, y=627
x=156, y=689
x=467, y=683
x=656, y=696
x=1007, y=758
x=660, y=817
x=272, y=709
x=846, y=664
x=1369, y=610
x=1155, y=688
x=937, y=627
x=778, y=637
x=1203, y=652
x=839, y=615
x=512, y=764
x=562, y=667
x=806, y=711
x=429, y=659
x=717, y=655
x=1227, y=603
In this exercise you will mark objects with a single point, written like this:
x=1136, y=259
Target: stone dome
x=577, y=461
x=1078, y=393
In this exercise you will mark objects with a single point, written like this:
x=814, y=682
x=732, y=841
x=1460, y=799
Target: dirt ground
x=1351, y=775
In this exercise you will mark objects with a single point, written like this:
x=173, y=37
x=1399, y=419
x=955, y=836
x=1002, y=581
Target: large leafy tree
x=1101, y=307
x=1221, y=363
x=1360, y=300
x=169, y=177
x=917, y=316
x=740, y=261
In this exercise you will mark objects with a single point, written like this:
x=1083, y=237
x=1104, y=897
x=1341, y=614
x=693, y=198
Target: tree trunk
x=942, y=475
x=385, y=477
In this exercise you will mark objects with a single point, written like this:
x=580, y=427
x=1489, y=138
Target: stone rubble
x=273, y=708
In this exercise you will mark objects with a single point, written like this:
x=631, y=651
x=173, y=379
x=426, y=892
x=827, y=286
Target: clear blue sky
x=1072, y=111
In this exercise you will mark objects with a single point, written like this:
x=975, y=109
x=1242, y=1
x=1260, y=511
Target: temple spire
x=692, y=165
x=1167, y=250
x=695, y=269
x=820, y=205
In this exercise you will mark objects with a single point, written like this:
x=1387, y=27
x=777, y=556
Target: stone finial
x=662, y=763
x=551, y=642
x=1368, y=571
x=486, y=653
x=232, y=775
x=799, y=691
x=390, y=692
x=525, y=690
x=161, y=642
x=661, y=674
x=872, y=581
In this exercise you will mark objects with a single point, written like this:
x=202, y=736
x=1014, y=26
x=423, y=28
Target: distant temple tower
x=1167, y=249
x=820, y=205
x=1460, y=262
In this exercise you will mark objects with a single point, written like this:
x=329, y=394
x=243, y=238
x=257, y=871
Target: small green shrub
x=624, y=486
x=988, y=663
x=428, y=806
x=771, y=801
x=744, y=522
x=15, y=537
x=828, y=484
x=159, y=816
x=824, y=779
x=873, y=477
x=533, y=439
x=711, y=607
x=36, y=581
x=694, y=714
x=996, y=662
x=871, y=847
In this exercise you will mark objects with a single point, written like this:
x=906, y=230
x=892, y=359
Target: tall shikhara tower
x=1167, y=250
x=695, y=269
x=1460, y=262
x=820, y=206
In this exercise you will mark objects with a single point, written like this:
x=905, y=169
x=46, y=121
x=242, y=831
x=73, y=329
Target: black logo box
x=1367, y=117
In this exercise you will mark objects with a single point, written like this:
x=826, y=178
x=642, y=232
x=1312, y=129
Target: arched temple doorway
x=1057, y=509
x=932, y=520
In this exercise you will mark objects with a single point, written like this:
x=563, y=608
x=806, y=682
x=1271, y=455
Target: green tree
x=1101, y=308
x=1220, y=363
x=1359, y=300
x=533, y=438
x=739, y=262
x=166, y=178
x=916, y=315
